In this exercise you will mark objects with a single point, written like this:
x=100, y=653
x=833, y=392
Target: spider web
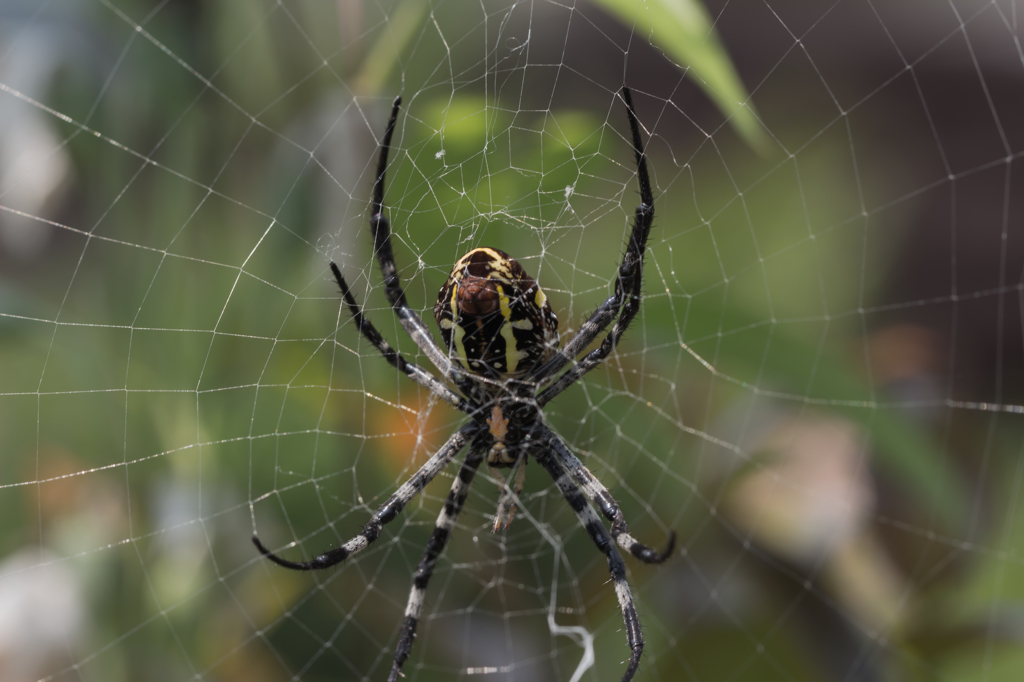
x=821, y=395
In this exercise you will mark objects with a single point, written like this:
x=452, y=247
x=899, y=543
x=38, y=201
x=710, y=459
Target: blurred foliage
x=685, y=31
x=203, y=383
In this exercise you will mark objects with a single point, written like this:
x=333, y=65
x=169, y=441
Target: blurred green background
x=822, y=395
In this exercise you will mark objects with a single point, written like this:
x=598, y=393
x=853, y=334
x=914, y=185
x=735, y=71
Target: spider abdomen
x=494, y=318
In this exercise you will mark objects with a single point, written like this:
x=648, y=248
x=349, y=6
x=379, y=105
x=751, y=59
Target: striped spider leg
x=386, y=512
x=628, y=286
x=598, y=494
x=381, y=227
x=599, y=534
x=435, y=545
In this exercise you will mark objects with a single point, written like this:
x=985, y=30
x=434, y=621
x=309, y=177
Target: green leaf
x=683, y=29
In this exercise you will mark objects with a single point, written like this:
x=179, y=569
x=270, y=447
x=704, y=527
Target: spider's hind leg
x=599, y=495
x=438, y=539
x=616, y=566
x=386, y=512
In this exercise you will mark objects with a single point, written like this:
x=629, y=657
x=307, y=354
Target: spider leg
x=599, y=495
x=386, y=512
x=616, y=566
x=627, y=283
x=596, y=356
x=438, y=539
x=411, y=369
x=409, y=318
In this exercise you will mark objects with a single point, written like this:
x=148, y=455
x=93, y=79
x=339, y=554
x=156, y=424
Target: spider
x=502, y=355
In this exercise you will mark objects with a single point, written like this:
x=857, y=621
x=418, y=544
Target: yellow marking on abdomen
x=511, y=353
x=460, y=333
x=499, y=264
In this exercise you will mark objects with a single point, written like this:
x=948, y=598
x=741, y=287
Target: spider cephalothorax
x=494, y=319
x=501, y=354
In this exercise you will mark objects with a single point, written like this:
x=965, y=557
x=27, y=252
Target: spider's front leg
x=381, y=227
x=386, y=512
x=626, y=298
x=396, y=359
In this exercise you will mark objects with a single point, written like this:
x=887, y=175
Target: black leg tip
x=634, y=662
x=649, y=555
x=293, y=565
x=667, y=552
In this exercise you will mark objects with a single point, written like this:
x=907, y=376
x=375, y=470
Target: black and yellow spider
x=502, y=349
